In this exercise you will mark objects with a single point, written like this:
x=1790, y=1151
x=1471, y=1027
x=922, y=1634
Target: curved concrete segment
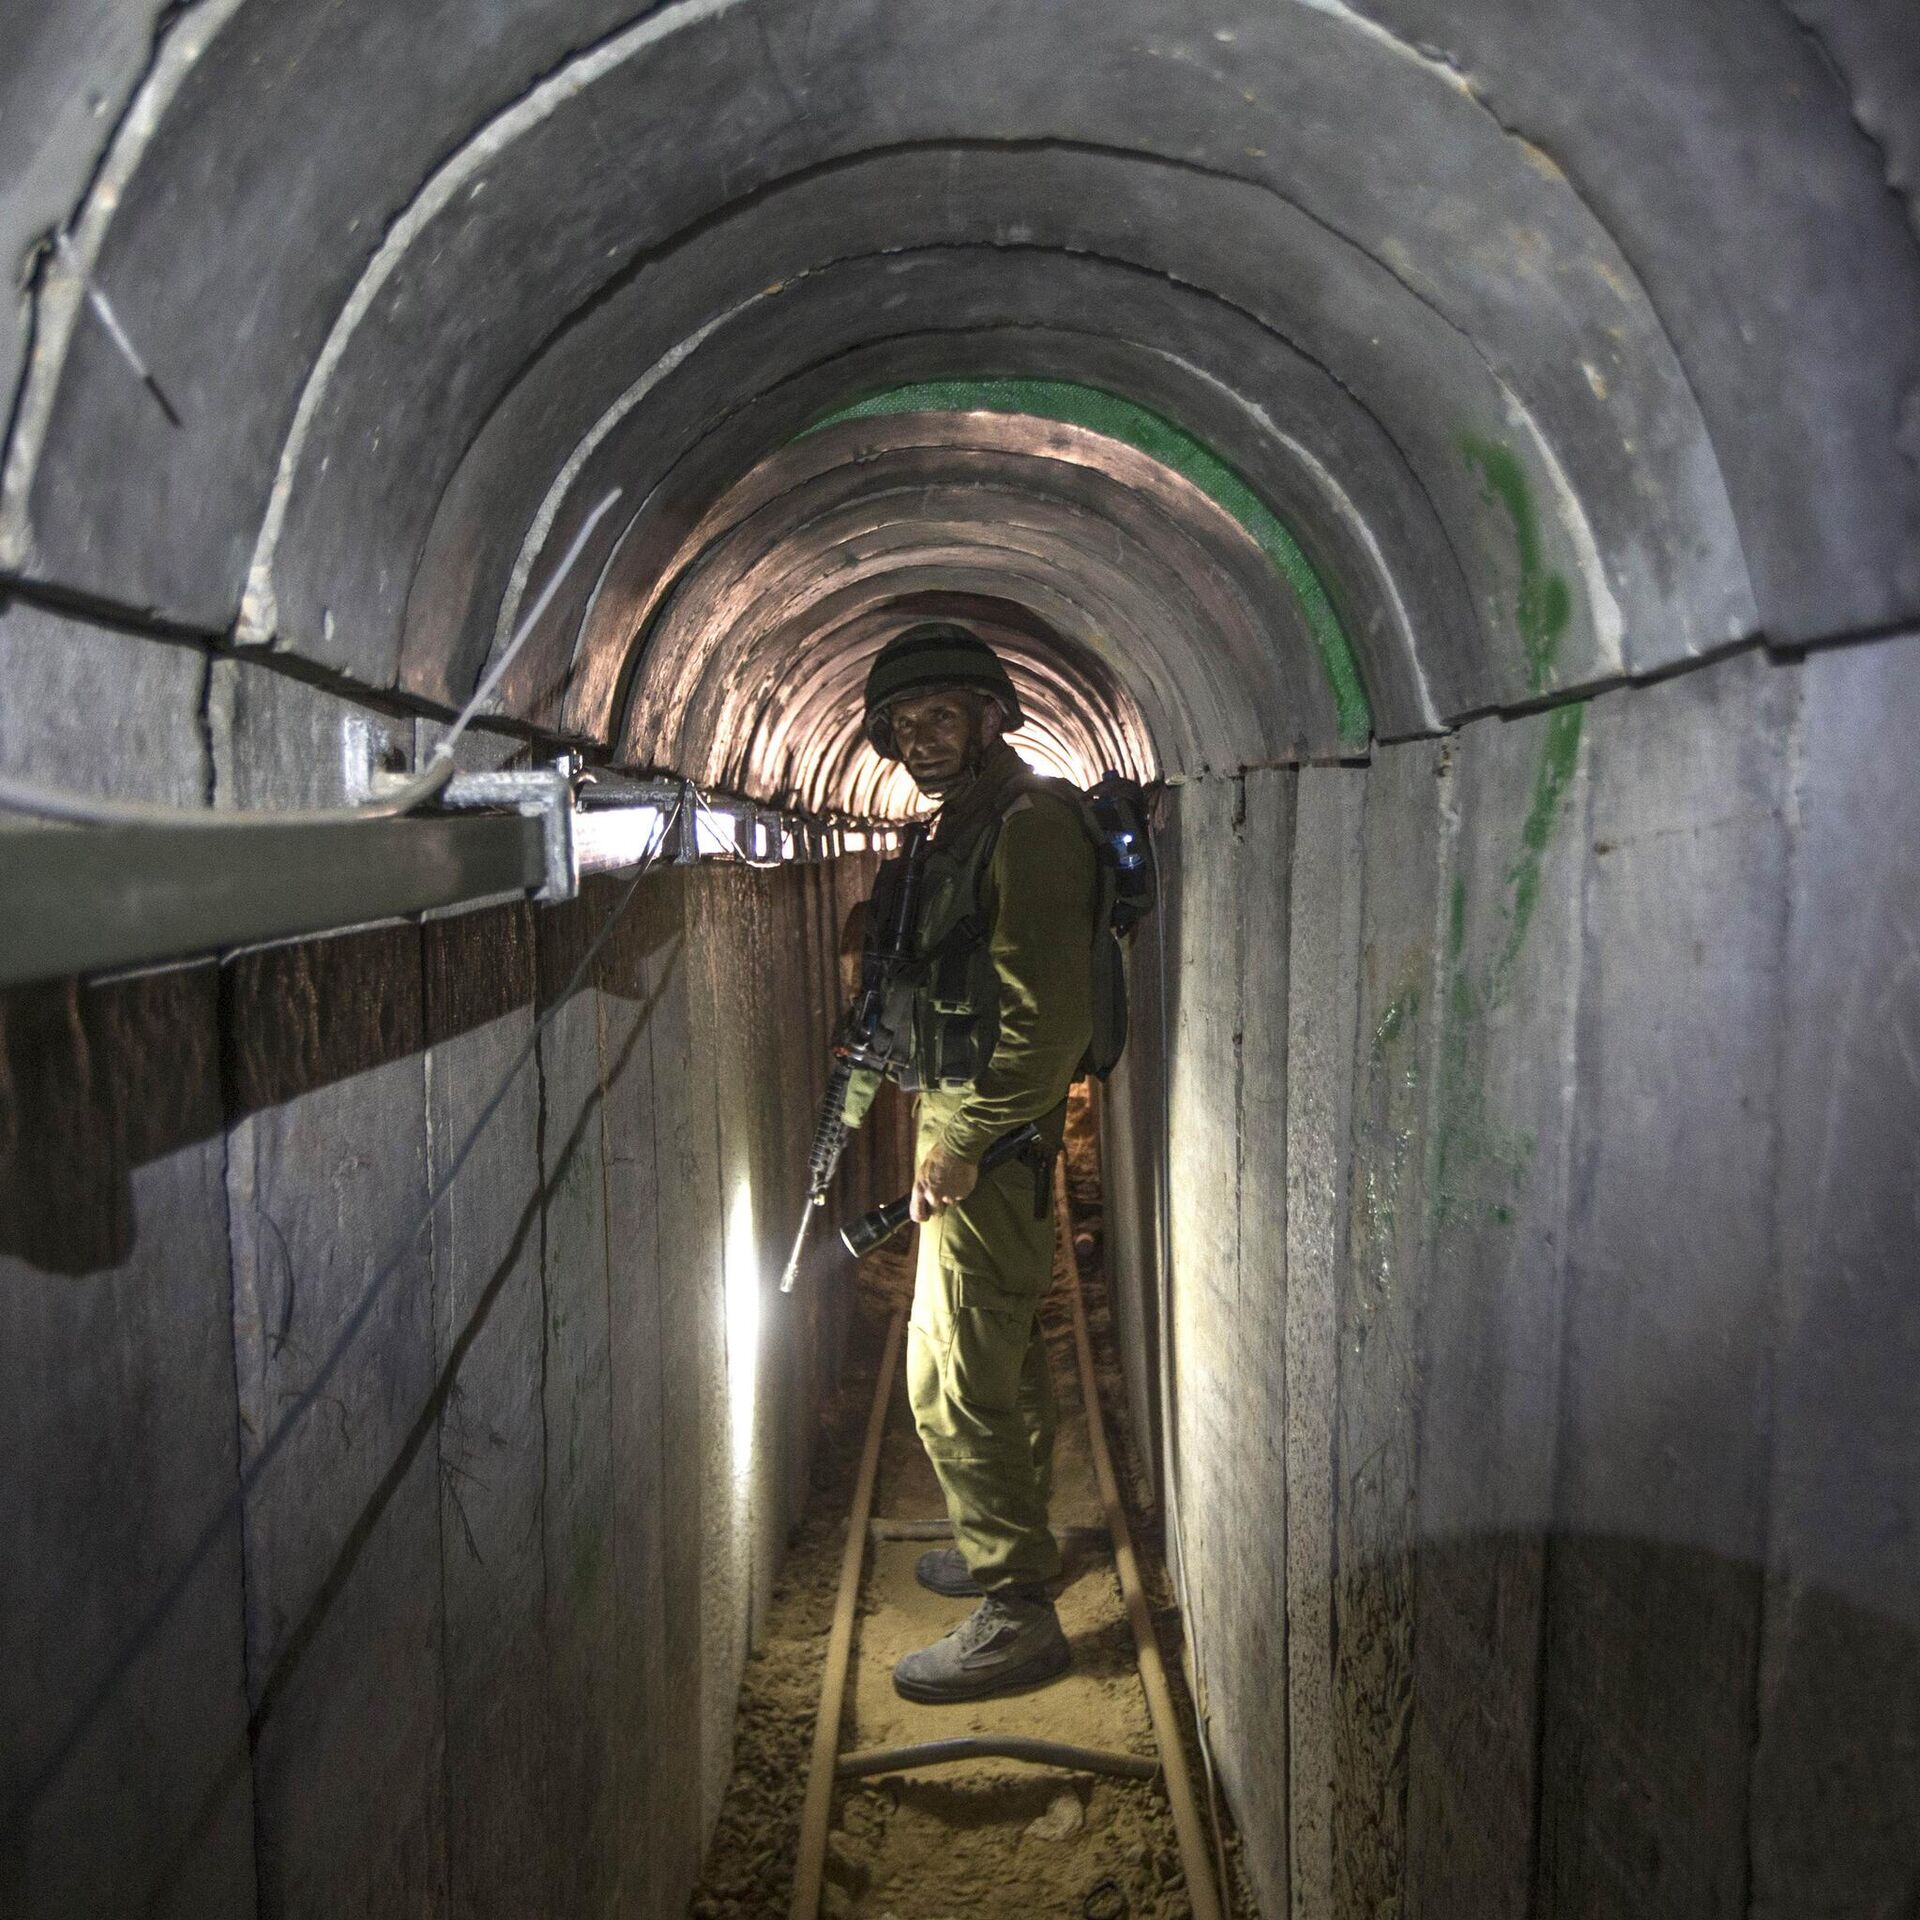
x=1589, y=512
x=1128, y=561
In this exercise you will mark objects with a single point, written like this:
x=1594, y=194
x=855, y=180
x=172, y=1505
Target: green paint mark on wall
x=1478, y=1162
x=1124, y=420
x=1558, y=758
x=1545, y=605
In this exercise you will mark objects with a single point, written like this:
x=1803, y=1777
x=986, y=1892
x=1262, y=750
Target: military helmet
x=934, y=657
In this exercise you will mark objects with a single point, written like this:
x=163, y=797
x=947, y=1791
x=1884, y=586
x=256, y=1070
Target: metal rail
x=141, y=891
x=996, y=1746
x=90, y=900
x=879, y=1530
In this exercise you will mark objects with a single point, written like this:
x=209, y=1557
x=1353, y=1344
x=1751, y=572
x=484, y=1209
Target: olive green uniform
x=977, y=1368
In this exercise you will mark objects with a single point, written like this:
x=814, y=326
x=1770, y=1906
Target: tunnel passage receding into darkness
x=1463, y=453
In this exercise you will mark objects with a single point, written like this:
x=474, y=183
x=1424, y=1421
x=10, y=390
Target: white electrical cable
x=80, y=809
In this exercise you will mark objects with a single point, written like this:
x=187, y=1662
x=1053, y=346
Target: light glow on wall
x=742, y=1275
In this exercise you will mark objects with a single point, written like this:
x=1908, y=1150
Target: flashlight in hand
x=880, y=1224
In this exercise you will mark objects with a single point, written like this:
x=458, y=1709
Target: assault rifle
x=876, y=1036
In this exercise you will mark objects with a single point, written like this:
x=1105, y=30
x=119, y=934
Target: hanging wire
x=315, y=1390
x=81, y=809
x=104, y=313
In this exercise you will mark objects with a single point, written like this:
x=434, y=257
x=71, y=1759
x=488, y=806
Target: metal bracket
x=544, y=794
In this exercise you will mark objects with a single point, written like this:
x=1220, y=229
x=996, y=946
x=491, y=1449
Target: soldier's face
x=942, y=735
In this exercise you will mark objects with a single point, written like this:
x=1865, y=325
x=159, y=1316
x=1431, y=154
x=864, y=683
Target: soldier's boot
x=944, y=1570
x=1011, y=1639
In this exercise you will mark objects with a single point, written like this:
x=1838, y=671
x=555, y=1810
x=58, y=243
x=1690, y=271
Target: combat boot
x=1011, y=1639
x=944, y=1570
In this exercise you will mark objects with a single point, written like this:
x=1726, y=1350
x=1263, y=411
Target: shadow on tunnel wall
x=101, y=1078
x=1483, y=1801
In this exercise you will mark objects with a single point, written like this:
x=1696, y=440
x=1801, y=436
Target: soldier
x=1002, y=1023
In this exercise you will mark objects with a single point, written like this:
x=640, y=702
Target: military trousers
x=977, y=1371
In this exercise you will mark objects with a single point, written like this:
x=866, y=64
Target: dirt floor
x=985, y=1838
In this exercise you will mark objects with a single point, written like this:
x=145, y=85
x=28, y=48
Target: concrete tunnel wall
x=1450, y=444
x=1542, y=1424
x=472, y=1642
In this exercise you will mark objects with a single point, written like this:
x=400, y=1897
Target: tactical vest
x=956, y=1016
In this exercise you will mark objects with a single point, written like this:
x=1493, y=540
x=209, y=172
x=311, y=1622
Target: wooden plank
x=738, y=942
x=1323, y=945
x=1837, y=1774
x=1228, y=1136
x=582, y=1831
x=1171, y=848
x=797, y=1022
x=124, y=1776
x=124, y=1781
x=1492, y=1332
x=489, y=1334
x=1653, y=1604
x=326, y=1185
x=1382, y=1280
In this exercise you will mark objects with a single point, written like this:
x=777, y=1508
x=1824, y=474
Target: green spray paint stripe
x=1468, y=1140
x=1558, y=757
x=1126, y=420
x=1545, y=605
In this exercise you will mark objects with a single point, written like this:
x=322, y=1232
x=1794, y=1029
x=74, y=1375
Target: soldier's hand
x=940, y=1181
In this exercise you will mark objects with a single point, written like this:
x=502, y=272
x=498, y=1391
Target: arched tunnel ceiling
x=1563, y=350
x=1162, y=608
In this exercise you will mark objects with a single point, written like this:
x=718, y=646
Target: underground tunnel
x=1462, y=456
